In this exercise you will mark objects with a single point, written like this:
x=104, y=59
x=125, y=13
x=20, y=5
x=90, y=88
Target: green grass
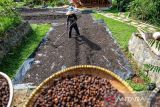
x=112, y=10
x=8, y=16
x=12, y=62
x=140, y=86
x=19, y=4
x=121, y=31
x=115, y=12
x=126, y=14
x=137, y=86
x=6, y=23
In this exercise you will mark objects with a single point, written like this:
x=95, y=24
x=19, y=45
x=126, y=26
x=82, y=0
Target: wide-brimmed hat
x=71, y=10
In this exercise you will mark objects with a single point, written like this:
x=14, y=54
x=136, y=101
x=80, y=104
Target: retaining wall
x=13, y=38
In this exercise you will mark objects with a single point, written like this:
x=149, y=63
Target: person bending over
x=72, y=23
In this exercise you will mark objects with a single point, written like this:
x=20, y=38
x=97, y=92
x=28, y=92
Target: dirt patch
x=38, y=10
x=137, y=79
x=42, y=15
x=94, y=47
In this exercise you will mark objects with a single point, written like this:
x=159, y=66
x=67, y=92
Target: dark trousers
x=76, y=29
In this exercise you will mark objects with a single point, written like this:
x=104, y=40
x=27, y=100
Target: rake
x=59, y=36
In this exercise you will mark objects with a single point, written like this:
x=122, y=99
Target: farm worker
x=71, y=22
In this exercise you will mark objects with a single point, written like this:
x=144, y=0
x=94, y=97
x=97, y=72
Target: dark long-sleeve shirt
x=71, y=19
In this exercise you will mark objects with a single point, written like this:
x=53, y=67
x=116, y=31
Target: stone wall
x=142, y=54
x=13, y=38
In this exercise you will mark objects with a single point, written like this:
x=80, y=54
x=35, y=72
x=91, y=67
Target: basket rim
x=75, y=67
x=10, y=88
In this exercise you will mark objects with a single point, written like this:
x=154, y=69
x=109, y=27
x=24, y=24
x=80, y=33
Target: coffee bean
x=77, y=90
x=4, y=92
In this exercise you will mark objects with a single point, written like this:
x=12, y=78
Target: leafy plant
x=12, y=62
x=147, y=10
x=49, y=2
x=137, y=86
x=149, y=67
x=58, y=2
x=140, y=86
x=144, y=76
x=8, y=16
x=154, y=43
x=122, y=5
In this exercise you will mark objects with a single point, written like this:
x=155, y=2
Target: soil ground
x=42, y=15
x=95, y=46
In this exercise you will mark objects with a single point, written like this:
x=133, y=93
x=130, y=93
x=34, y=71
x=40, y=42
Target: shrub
x=121, y=5
x=57, y=2
x=147, y=10
x=8, y=16
x=149, y=67
x=49, y=2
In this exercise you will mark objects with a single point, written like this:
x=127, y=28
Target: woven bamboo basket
x=114, y=79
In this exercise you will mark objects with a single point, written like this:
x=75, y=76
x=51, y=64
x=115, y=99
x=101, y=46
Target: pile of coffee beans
x=4, y=92
x=80, y=91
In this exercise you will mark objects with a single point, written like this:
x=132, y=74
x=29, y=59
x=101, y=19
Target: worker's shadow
x=82, y=39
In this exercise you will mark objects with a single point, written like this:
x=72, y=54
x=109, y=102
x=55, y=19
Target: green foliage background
x=8, y=16
x=147, y=10
x=47, y=2
x=121, y=5
x=12, y=62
